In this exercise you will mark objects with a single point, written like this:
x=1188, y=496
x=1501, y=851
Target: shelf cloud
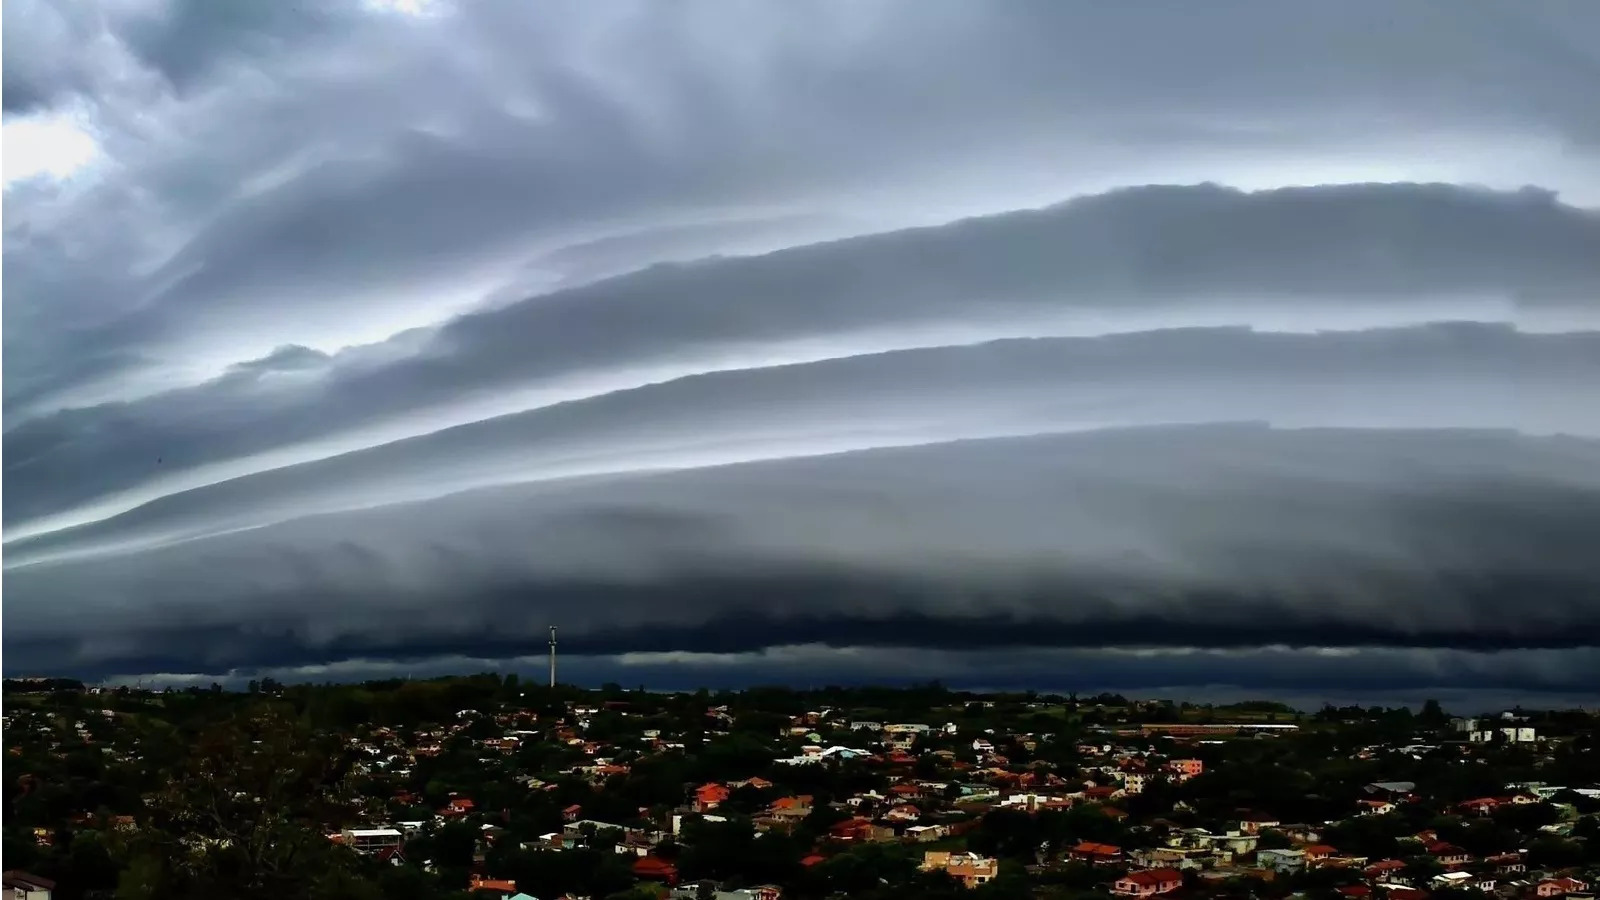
x=1164, y=344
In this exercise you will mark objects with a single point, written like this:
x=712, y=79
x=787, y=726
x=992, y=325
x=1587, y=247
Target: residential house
x=371, y=841
x=20, y=885
x=1464, y=880
x=905, y=812
x=900, y=740
x=1560, y=887
x=1281, y=860
x=580, y=829
x=1169, y=858
x=1031, y=802
x=710, y=796
x=867, y=798
x=1186, y=768
x=1148, y=883
x=1506, y=863
x=1448, y=855
x=970, y=869
x=654, y=868
x=912, y=728
x=1096, y=854
x=506, y=744
x=1319, y=853
x=860, y=830
x=1253, y=823
x=492, y=885
x=906, y=790
x=1374, y=807
x=1386, y=870
x=791, y=808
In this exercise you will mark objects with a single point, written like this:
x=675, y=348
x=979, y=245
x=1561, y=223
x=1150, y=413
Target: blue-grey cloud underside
x=1242, y=533
x=1303, y=259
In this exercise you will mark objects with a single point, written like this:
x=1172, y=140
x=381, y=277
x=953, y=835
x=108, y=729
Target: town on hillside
x=489, y=788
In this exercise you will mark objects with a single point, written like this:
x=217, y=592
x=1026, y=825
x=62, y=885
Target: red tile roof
x=654, y=867
x=1154, y=877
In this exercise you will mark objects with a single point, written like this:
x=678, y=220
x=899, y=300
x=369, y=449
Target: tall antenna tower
x=552, y=656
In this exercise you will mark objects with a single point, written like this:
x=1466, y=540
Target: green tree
x=241, y=815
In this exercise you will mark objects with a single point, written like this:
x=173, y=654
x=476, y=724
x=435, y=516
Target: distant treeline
x=41, y=685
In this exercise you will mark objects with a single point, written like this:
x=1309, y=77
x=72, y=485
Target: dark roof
x=17, y=878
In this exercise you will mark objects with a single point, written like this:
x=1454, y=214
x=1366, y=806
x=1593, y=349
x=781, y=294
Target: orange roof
x=492, y=884
x=647, y=866
x=1151, y=877
x=711, y=792
x=1388, y=865
x=1092, y=848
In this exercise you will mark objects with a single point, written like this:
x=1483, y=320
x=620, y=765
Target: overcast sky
x=1224, y=349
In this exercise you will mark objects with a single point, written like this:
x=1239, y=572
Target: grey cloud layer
x=1308, y=258
x=1241, y=533
x=1442, y=376
x=355, y=342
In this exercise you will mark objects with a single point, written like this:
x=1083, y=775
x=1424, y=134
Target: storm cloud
x=1251, y=347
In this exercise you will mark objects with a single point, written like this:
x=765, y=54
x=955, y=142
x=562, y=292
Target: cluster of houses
x=932, y=785
x=977, y=776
